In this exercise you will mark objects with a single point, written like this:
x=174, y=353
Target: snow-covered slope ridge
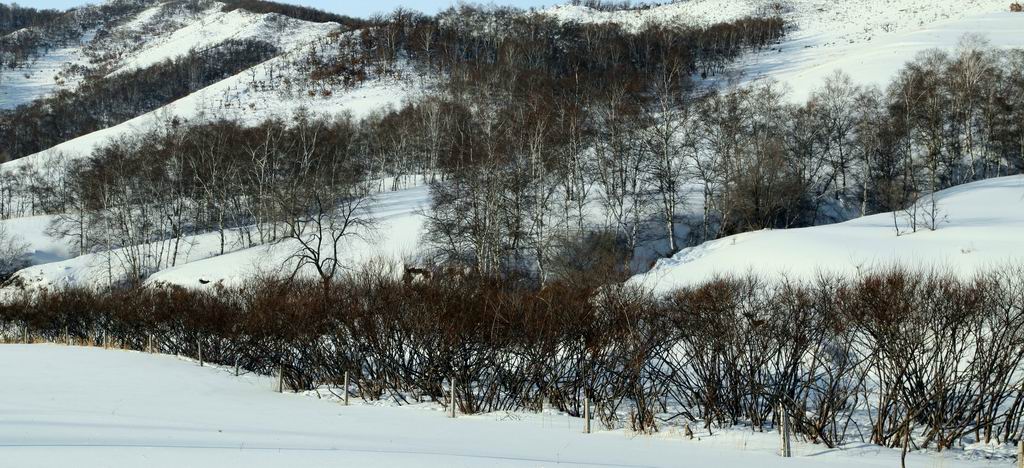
x=980, y=226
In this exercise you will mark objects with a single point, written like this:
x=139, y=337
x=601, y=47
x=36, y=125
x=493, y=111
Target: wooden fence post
x=787, y=450
x=451, y=400
x=199, y=346
x=236, y=365
x=149, y=343
x=586, y=413
x=67, y=337
x=346, y=388
x=280, y=378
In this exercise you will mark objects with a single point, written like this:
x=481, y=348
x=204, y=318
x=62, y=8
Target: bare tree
x=324, y=200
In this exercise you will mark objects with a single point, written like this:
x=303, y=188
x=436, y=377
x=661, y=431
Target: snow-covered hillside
x=244, y=97
x=534, y=172
x=831, y=22
x=868, y=39
x=120, y=408
x=981, y=226
x=273, y=89
x=803, y=67
x=214, y=27
x=235, y=99
x=40, y=77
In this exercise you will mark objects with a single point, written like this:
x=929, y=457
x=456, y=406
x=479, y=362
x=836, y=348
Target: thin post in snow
x=67, y=337
x=236, y=365
x=149, y=343
x=346, y=388
x=586, y=413
x=787, y=449
x=1020, y=453
x=199, y=346
x=280, y=378
x=451, y=400
x=24, y=334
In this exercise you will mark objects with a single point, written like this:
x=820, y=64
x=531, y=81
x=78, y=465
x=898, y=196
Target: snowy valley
x=692, y=226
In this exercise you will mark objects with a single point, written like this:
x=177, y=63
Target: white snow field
x=981, y=227
x=92, y=408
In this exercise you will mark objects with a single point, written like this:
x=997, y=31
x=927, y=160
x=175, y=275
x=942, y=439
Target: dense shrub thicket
x=892, y=358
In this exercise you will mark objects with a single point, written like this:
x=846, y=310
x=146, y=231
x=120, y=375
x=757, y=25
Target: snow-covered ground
x=42, y=248
x=981, y=227
x=89, y=407
x=693, y=12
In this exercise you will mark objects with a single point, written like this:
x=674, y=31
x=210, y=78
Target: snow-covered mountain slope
x=237, y=99
x=868, y=39
x=832, y=22
x=121, y=408
x=250, y=96
x=980, y=226
x=213, y=27
x=164, y=31
x=693, y=12
x=40, y=77
x=803, y=68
